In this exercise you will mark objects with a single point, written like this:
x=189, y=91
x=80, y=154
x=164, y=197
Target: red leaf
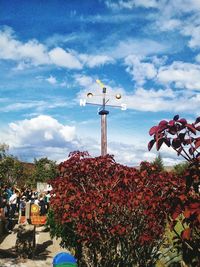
x=187, y=213
x=171, y=123
x=179, y=151
x=186, y=234
x=182, y=197
x=167, y=141
x=162, y=128
x=182, y=121
x=195, y=205
x=191, y=128
x=150, y=144
x=67, y=206
x=144, y=238
x=197, y=144
x=181, y=136
x=176, y=143
x=163, y=123
x=159, y=143
x=176, y=213
x=153, y=130
x=125, y=181
x=89, y=216
x=172, y=130
x=191, y=150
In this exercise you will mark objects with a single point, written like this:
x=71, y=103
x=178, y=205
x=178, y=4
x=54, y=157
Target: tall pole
x=104, y=114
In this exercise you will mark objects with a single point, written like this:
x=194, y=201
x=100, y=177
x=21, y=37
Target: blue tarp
x=64, y=257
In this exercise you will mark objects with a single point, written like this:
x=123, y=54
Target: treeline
x=179, y=168
x=13, y=171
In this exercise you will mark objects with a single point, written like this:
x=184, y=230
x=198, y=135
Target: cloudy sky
x=52, y=53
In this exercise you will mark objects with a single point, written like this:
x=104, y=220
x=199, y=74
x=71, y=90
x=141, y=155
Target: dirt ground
x=46, y=250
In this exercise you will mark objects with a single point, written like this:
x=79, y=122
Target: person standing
x=22, y=208
x=42, y=205
x=47, y=200
x=13, y=203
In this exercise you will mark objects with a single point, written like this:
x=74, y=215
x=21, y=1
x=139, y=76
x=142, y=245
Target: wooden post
x=103, y=114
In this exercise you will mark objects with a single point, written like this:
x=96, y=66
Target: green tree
x=3, y=150
x=181, y=168
x=45, y=169
x=158, y=162
x=11, y=169
x=28, y=175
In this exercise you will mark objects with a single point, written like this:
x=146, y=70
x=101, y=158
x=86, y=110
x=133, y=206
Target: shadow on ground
x=41, y=251
x=8, y=253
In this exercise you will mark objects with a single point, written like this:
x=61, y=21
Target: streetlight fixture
x=103, y=113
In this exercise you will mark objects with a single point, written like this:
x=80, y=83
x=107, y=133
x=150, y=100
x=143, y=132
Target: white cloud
x=130, y=4
x=140, y=47
x=146, y=3
x=95, y=60
x=58, y=39
x=178, y=8
x=169, y=24
x=22, y=105
x=152, y=93
x=38, y=106
x=142, y=99
x=140, y=70
x=194, y=33
x=32, y=51
x=84, y=81
x=181, y=16
x=198, y=58
x=182, y=75
x=51, y=80
x=40, y=131
x=133, y=154
x=163, y=100
x=184, y=6
x=65, y=59
x=44, y=136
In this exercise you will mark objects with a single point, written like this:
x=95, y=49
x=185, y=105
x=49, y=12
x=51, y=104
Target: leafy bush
x=110, y=214
x=183, y=137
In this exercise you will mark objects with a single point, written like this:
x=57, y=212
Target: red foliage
x=106, y=201
x=178, y=134
x=182, y=137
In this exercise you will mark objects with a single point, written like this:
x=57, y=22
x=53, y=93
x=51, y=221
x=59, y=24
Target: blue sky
x=52, y=53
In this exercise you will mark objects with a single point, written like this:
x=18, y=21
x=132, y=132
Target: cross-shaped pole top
x=103, y=113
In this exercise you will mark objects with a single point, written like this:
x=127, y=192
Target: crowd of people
x=14, y=202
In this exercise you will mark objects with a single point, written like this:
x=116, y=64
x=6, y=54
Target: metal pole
x=103, y=134
x=103, y=114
